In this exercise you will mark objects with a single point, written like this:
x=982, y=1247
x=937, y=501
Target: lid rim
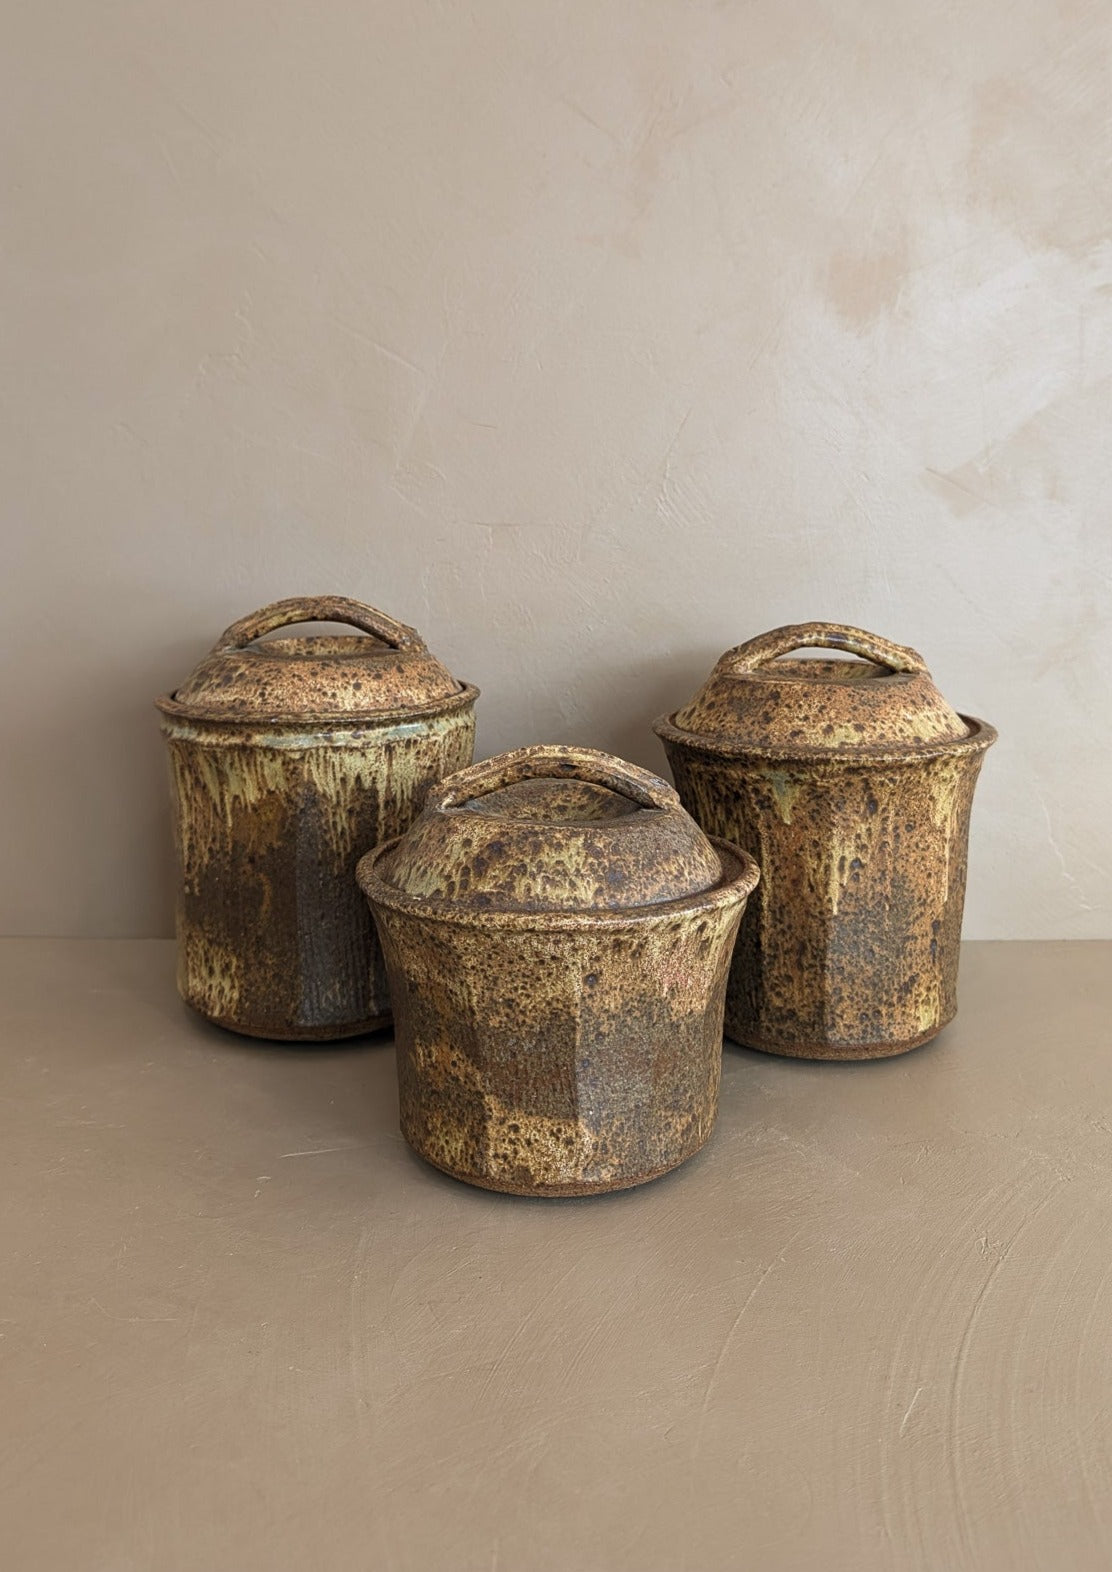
x=313, y=720
x=730, y=889
x=978, y=739
x=618, y=824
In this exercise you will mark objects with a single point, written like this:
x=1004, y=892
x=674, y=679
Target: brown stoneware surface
x=288, y=760
x=756, y=696
x=557, y=934
x=547, y=829
x=386, y=667
x=851, y=785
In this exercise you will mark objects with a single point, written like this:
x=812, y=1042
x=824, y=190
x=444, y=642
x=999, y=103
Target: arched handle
x=821, y=636
x=553, y=763
x=319, y=608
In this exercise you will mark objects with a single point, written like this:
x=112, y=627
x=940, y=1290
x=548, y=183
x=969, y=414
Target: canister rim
x=740, y=875
x=979, y=737
x=345, y=720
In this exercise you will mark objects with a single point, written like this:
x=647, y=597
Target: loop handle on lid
x=822, y=636
x=319, y=608
x=554, y=763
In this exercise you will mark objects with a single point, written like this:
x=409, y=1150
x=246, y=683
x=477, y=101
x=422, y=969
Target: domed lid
x=758, y=698
x=385, y=668
x=549, y=829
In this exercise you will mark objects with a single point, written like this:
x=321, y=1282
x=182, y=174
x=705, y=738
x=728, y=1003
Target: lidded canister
x=851, y=783
x=289, y=759
x=557, y=933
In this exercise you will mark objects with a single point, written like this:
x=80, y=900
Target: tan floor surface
x=243, y=1328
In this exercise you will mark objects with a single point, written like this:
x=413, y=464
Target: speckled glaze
x=288, y=760
x=557, y=934
x=852, y=787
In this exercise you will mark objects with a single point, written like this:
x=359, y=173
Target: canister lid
x=757, y=697
x=551, y=829
x=383, y=668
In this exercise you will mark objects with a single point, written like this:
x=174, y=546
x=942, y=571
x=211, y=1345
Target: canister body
x=274, y=938
x=559, y=1054
x=850, y=946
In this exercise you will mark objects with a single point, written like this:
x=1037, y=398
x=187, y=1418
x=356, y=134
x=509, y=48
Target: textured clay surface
x=274, y=937
x=559, y=1062
x=850, y=948
x=387, y=667
x=569, y=846
x=851, y=783
x=830, y=703
x=557, y=932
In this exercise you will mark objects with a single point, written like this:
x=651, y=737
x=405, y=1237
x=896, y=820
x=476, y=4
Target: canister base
x=835, y=1052
x=308, y=1034
x=558, y=1192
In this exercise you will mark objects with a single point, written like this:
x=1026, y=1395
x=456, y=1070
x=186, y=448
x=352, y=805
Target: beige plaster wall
x=590, y=336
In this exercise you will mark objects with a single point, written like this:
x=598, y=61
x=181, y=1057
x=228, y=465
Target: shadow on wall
x=177, y=660
x=639, y=693
x=617, y=717
x=134, y=720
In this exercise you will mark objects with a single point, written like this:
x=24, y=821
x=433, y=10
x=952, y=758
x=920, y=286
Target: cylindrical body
x=551, y=1060
x=854, y=798
x=274, y=938
x=849, y=949
x=554, y=1039
x=272, y=812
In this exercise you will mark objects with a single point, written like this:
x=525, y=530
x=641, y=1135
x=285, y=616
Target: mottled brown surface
x=388, y=668
x=851, y=785
x=566, y=1050
x=757, y=696
x=850, y=945
x=553, y=844
x=274, y=938
x=287, y=763
x=559, y=1063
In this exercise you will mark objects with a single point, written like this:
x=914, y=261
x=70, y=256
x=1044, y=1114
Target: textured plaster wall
x=589, y=336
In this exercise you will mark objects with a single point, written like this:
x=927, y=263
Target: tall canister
x=851, y=783
x=558, y=934
x=289, y=759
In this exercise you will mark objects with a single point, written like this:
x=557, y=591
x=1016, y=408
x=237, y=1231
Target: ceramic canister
x=557, y=933
x=850, y=782
x=289, y=758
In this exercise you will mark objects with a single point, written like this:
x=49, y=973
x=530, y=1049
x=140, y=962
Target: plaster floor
x=242, y=1327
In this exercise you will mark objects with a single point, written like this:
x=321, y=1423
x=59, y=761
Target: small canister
x=851, y=783
x=557, y=934
x=289, y=759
